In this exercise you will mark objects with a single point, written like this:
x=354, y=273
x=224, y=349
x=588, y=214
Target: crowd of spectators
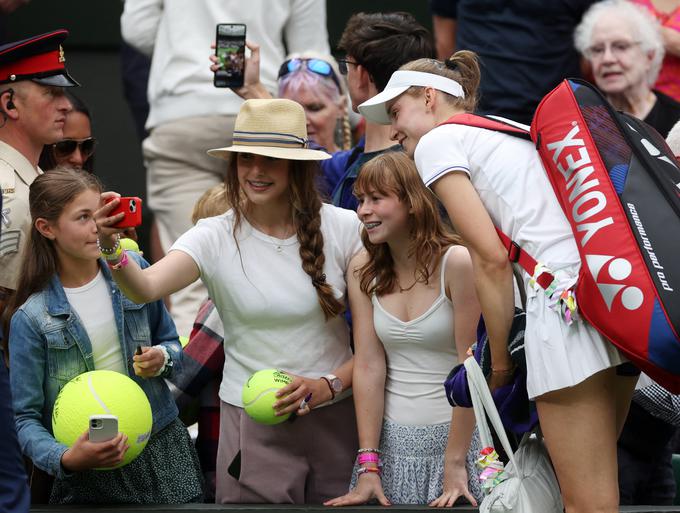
x=318, y=220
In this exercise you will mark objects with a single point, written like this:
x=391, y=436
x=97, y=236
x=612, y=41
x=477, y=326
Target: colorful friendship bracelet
x=366, y=470
x=368, y=457
x=115, y=266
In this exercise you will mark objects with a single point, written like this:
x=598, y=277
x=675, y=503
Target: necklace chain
x=290, y=230
x=276, y=244
x=401, y=289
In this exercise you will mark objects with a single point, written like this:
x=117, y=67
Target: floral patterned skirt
x=413, y=463
x=166, y=472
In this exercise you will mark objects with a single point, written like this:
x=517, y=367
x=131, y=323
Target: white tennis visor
x=375, y=109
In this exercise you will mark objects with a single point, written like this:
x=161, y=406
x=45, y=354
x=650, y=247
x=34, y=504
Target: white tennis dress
x=509, y=177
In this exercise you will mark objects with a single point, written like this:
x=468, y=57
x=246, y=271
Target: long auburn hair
x=48, y=196
x=393, y=172
x=306, y=214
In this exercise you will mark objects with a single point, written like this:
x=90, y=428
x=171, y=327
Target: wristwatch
x=334, y=383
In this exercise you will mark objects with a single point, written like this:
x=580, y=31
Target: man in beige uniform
x=33, y=109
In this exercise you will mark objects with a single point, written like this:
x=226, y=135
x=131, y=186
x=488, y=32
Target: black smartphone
x=230, y=50
x=234, y=468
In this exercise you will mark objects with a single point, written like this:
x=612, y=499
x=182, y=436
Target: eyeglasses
x=66, y=147
x=342, y=65
x=617, y=48
x=317, y=66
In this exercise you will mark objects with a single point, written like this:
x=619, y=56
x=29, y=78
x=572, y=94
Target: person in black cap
x=32, y=113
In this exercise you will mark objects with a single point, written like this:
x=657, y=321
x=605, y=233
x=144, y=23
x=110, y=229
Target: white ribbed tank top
x=420, y=354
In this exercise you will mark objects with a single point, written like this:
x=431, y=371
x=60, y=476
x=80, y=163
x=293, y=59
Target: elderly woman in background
x=668, y=14
x=623, y=44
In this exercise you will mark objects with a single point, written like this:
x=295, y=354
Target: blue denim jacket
x=49, y=346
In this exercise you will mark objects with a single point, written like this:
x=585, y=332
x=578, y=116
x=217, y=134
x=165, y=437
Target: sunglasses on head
x=68, y=146
x=317, y=66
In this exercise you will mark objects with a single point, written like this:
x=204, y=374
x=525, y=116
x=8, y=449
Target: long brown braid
x=346, y=132
x=306, y=213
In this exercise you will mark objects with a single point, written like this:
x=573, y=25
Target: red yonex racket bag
x=619, y=186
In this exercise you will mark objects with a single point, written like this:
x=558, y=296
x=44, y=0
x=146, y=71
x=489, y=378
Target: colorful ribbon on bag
x=560, y=293
x=492, y=469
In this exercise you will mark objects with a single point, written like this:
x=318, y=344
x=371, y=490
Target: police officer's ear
x=7, y=104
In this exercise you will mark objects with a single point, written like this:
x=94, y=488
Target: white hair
x=641, y=22
x=673, y=139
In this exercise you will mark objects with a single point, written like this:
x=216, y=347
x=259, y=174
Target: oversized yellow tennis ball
x=184, y=341
x=259, y=395
x=129, y=245
x=101, y=392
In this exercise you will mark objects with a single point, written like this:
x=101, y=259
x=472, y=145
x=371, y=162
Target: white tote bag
x=531, y=486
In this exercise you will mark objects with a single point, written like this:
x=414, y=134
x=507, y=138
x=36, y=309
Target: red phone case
x=132, y=208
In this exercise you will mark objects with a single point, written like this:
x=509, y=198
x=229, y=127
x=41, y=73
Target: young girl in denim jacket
x=69, y=317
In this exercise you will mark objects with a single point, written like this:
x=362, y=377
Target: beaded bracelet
x=116, y=249
x=365, y=470
x=377, y=451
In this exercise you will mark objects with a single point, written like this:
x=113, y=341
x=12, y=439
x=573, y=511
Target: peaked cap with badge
x=39, y=59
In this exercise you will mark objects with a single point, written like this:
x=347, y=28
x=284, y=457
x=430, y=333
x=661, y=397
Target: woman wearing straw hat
x=275, y=267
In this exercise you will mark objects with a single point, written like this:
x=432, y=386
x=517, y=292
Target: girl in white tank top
x=414, y=310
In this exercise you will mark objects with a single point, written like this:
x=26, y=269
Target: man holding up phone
x=188, y=114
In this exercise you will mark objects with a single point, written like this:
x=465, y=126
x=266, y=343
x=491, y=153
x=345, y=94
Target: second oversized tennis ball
x=259, y=395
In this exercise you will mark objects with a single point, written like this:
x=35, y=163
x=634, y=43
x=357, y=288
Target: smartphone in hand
x=230, y=50
x=132, y=208
x=103, y=427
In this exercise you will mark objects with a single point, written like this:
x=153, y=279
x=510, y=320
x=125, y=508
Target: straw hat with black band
x=272, y=128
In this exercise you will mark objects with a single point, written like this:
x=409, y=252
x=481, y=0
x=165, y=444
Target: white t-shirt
x=509, y=177
x=92, y=303
x=269, y=307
